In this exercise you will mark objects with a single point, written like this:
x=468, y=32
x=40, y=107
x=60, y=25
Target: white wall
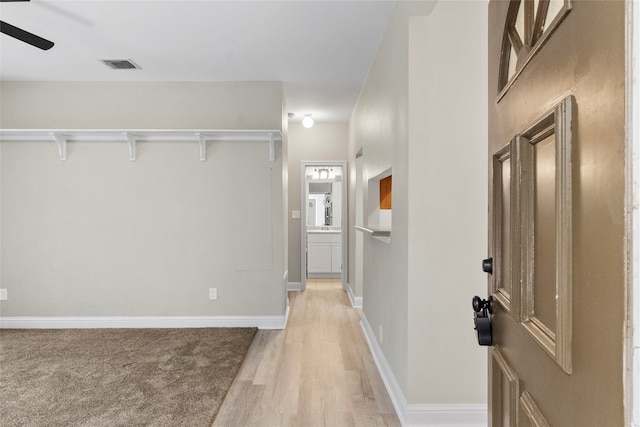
x=1, y=304
x=422, y=113
x=99, y=235
x=379, y=126
x=324, y=141
x=448, y=201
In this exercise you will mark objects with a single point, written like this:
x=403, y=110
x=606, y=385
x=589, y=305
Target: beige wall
x=99, y=235
x=149, y=105
x=324, y=141
x=417, y=288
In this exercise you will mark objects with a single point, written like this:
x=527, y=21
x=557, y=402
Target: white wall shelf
x=133, y=136
x=373, y=230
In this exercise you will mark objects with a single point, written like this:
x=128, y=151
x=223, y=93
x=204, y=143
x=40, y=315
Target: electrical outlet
x=3, y=295
x=380, y=333
x=213, y=293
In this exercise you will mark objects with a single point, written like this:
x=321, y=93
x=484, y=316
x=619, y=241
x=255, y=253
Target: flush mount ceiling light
x=307, y=121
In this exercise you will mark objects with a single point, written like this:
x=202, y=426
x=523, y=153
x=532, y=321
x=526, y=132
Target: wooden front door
x=556, y=234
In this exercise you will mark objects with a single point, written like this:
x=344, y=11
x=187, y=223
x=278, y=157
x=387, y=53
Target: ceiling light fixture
x=307, y=121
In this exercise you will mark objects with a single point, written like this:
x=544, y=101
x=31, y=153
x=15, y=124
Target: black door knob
x=477, y=304
x=480, y=304
x=482, y=320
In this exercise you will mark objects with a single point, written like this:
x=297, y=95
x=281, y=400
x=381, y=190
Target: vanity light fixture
x=307, y=121
x=323, y=173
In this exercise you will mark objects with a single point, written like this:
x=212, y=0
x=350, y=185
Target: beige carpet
x=117, y=377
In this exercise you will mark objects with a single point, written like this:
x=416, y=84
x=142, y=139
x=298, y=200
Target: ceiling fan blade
x=25, y=36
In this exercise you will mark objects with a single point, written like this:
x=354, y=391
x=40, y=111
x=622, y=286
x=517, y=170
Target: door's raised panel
x=529, y=415
x=505, y=391
x=545, y=186
x=506, y=225
x=544, y=210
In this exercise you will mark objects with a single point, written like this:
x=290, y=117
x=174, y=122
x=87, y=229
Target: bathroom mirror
x=324, y=198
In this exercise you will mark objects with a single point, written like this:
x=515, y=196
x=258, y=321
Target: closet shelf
x=133, y=136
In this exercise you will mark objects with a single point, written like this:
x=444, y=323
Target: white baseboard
x=453, y=415
x=294, y=286
x=356, y=302
x=444, y=415
x=323, y=275
x=261, y=322
x=393, y=388
x=286, y=316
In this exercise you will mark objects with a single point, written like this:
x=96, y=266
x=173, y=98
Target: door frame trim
x=303, y=218
x=632, y=329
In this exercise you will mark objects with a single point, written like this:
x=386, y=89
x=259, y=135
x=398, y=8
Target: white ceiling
x=321, y=50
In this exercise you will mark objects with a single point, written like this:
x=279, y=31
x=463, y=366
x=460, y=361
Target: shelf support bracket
x=203, y=146
x=131, y=140
x=272, y=149
x=61, y=140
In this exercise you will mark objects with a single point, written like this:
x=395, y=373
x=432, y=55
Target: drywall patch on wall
x=253, y=218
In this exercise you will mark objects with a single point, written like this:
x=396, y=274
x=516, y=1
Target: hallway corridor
x=317, y=372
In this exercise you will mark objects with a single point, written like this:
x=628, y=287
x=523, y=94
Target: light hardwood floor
x=317, y=372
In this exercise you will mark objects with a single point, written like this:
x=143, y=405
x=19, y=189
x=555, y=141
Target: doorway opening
x=323, y=211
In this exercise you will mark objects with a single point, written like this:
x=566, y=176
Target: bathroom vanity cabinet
x=324, y=254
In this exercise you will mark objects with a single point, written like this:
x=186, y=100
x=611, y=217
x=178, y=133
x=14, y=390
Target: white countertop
x=324, y=231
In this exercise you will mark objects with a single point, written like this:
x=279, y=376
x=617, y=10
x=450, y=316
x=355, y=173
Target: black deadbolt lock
x=483, y=309
x=487, y=265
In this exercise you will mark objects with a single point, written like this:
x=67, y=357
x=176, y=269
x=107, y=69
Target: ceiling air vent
x=121, y=64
